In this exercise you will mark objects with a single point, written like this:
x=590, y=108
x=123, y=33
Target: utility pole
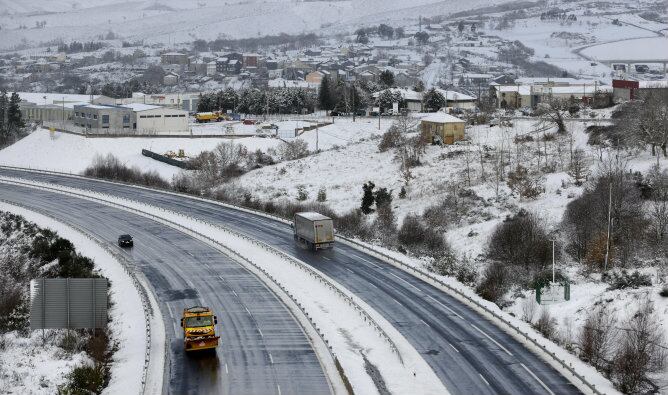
x=63, y=112
x=317, y=132
x=352, y=98
x=553, y=271
x=607, y=244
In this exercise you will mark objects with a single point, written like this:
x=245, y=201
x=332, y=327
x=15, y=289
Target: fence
x=165, y=159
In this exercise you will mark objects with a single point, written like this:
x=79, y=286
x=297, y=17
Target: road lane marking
x=425, y=322
x=398, y=302
x=235, y=293
x=373, y=285
x=416, y=288
x=226, y=371
x=176, y=331
x=171, y=314
x=367, y=261
x=247, y=311
x=350, y=270
x=483, y=379
x=221, y=278
x=493, y=341
x=324, y=257
x=279, y=389
x=549, y=391
x=446, y=307
x=453, y=347
x=271, y=359
x=261, y=334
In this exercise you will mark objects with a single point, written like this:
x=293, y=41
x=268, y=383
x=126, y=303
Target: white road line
x=235, y=293
x=483, y=379
x=171, y=314
x=446, y=307
x=397, y=302
x=324, y=257
x=425, y=322
x=247, y=311
x=176, y=331
x=453, y=347
x=493, y=341
x=373, y=285
x=226, y=371
x=350, y=270
x=221, y=277
x=261, y=334
x=279, y=389
x=414, y=287
x=549, y=391
x=271, y=359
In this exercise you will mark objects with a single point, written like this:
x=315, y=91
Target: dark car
x=125, y=241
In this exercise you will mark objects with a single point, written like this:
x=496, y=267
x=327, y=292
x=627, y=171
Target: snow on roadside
x=351, y=338
x=127, y=317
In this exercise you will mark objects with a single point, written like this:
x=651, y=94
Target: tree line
x=11, y=120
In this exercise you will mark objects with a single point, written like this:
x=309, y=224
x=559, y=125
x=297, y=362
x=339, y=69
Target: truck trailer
x=199, y=329
x=314, y=230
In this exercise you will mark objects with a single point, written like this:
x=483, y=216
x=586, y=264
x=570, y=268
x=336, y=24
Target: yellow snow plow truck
x=199, y=329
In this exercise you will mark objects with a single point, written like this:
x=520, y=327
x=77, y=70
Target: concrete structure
x=443, y=127
x=171, y=79
x=48, y=112
x=98, y=118
x=315, y=77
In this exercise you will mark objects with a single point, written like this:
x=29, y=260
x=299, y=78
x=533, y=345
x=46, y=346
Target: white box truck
x=314, y=230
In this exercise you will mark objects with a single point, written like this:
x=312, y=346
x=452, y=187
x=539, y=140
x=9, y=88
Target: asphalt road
x=468, y=353
x=263, y=348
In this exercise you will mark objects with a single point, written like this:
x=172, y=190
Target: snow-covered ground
x=28, y=366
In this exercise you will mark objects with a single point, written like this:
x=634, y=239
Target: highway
x=468, y=353
x=263, y=348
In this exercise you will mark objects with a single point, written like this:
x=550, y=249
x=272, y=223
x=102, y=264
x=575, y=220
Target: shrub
x=390, y=139
x=367, y=197
x=109, y=167
x=402, y=193
x=448, y=265
x=302, y=194
x=624, y=280
x=524, y=184
x=354, y=224
x=521, y=240
x=546, y=325
x=295, y=149
x=422, y=239
x=85, y=379
x=598, y=338
x=495, y=283
x=322, y=195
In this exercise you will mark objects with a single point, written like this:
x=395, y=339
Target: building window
x=105, y=118
x=94, y=116
x=76, y=114
x=126, y=118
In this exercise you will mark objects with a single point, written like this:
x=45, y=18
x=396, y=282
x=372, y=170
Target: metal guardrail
x=509, y=326
x=127, y=267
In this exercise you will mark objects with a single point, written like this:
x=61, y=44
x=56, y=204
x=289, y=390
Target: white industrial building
x=151, y=119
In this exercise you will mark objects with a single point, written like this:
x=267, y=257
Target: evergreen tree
x=326, y=94
x=387, y=78
x=367, y=198
x=3, y=114
x=434, y=100
x=14, y=117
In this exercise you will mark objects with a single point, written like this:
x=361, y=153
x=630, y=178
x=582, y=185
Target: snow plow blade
x=202, y=344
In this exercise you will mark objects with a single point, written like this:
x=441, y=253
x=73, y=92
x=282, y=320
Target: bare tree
x=598, y=338
x=645, y=121
x=641, y=352
x=553, y=111
x=578, y=169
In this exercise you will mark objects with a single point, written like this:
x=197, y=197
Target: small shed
x=448, y=128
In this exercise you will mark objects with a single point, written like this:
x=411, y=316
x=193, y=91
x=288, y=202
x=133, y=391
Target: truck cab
x=199, y=329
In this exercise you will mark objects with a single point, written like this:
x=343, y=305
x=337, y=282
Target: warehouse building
x=133, y=118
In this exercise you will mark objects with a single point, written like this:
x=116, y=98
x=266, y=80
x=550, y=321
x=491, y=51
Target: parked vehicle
x=249, y=122
x=199, y=329
x=314, y=230
x=125, y=241
x=202, y=117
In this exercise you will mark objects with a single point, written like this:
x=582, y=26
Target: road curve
x=469, y=353
x=264, y=350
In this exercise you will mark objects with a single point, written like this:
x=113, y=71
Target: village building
x=443, y=128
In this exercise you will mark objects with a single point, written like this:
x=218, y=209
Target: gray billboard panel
x=73, y=303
